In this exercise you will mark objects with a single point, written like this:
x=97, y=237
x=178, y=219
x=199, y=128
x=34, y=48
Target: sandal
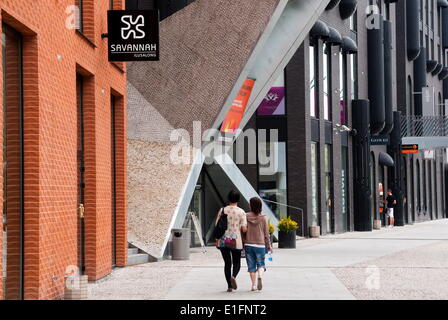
x=259, y=284
x=233, y=282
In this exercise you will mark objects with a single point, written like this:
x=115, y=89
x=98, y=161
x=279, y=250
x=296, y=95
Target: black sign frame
x=133, y=35
x=379, y=140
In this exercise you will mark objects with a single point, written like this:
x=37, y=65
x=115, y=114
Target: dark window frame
x=19, y=37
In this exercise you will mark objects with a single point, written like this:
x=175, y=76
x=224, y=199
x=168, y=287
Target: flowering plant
x=271, y=228
x=287, y=225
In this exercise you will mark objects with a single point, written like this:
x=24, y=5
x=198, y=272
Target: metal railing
x=424, y=126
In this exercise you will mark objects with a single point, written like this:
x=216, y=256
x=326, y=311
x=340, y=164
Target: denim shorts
x=255, y=258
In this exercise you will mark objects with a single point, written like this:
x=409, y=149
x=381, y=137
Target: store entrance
x=13, y=238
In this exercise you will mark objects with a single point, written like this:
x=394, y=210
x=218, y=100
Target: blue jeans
x=255, y=258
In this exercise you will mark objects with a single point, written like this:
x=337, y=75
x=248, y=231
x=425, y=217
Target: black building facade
x=365, y=68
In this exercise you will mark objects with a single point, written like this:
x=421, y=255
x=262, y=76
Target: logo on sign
x=272, y=97
x=132, y=27
x=133, y=35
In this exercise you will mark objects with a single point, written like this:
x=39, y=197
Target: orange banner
x=238, y=108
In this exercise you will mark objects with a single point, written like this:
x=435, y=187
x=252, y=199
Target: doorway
x=372, y=187
x=81, y=172
x=113, y=161
x=404, y=175
x=328, y=189
x=13, y=225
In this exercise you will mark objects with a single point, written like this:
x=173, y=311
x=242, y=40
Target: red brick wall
x=1, y=177
x=50, y=143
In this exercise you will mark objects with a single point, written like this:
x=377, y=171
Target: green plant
x=271, y=228
x=287, y=225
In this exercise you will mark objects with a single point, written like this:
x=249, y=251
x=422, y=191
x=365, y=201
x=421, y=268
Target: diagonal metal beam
x=244, y=187
x=285, y=32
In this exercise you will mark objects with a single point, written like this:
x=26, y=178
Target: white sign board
x=197, y=226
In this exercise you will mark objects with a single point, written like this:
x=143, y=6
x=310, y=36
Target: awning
x=332, y=4
x=431, y=65
x=335, y=37
x=320, y=30
x=347, y=8
x=443, y=74
x=348, y=45
x=438, y=69
x=442, y=3
x=385, y=159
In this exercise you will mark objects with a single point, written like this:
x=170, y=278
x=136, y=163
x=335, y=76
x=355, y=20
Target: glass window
x=372, y=185
x=342, y=86
x=354, y=22
x=79, y=4
x=381, y=194
x=327, y=81
x=314, y=184
x=419, y=186
x=344, y=189
x=432, y=14
x=425, y=203
x=272, y=176
x=328, y=187
x=313, y=81
x=354, y=76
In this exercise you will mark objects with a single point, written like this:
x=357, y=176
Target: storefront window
x=353, y=22
x=272, y=176
x=425, y=203
x=354, y=76
x=419, y=186
x=344, y=188
x=327, y=82
x=328, y=188
x=381, y=196
x=372, y=186
x=314, y=184
x=313, y=81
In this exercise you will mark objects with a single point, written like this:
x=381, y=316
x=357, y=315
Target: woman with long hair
x=231, y=243
x=257, y=243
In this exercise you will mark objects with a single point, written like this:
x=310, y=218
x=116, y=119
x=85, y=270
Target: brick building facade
x=64, y=144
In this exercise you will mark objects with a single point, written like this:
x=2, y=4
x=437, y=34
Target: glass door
x=328, y=189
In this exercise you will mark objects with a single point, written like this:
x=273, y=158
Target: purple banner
x=273, y=103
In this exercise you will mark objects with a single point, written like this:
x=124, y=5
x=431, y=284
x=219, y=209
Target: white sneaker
x=254, y=288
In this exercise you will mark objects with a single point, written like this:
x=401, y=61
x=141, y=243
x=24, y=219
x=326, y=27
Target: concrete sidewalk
x=331, y=267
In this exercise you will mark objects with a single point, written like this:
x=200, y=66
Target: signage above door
x=379, y=140
x=133, y=35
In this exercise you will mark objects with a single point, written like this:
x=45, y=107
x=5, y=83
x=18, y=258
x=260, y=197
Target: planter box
x=287, y=240
x=315, y=232
x=376, y=224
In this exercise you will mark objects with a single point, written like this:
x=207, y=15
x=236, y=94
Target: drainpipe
x=395, y=172
x=419, y=80
x=361, y=165
x=375, y=46
x=413, y=29
x=389, y=117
